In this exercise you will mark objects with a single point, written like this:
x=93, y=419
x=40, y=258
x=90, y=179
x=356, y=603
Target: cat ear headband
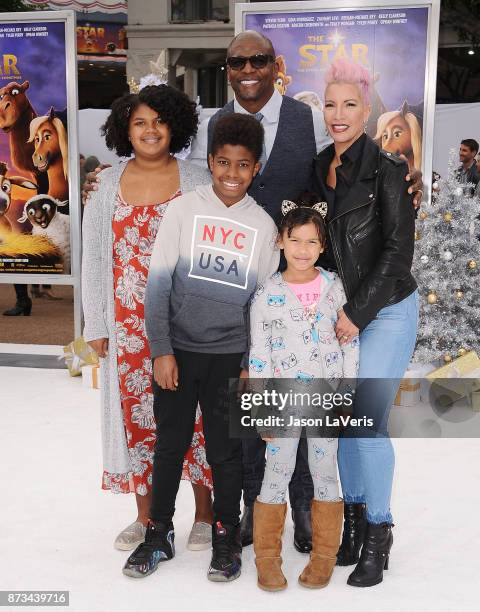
x=320, y=207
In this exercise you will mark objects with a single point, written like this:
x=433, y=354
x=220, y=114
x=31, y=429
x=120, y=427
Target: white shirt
x=271, y=116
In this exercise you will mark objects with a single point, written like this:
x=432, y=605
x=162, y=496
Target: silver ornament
x=424, y=259
x=435, y=185
x=447, y=255
x=458, y=191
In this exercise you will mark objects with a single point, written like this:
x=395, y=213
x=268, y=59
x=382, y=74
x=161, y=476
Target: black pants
x=203, y=378
x=21, y=293
x=300, y=488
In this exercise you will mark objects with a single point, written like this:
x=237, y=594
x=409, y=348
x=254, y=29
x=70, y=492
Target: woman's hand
x=100, y=346
x=345, y=330
x=165, y=372
x=91, y=182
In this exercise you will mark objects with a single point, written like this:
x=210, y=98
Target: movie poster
x=101, y=39
x=34, y=164
x=390, y=42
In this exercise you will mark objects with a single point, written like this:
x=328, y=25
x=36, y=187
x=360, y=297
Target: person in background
x=23, y=303
x=119, y=229
x=81, y=158
x=467, y=171
x=90, y=164
x=87, y=165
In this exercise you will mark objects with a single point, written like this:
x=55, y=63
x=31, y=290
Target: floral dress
x=134, y=231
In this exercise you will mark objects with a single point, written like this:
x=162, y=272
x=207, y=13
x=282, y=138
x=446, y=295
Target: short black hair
x=302, y=215
x=238, y=129
x=172, y=106
x=252, y=34
x=471, y=144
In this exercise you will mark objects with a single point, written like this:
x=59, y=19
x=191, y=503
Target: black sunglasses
x=260, y=60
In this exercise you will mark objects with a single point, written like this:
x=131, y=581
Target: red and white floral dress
x=134, y=231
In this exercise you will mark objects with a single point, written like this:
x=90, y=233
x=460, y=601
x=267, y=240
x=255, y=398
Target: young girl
x=120, y=225
x=292, y=322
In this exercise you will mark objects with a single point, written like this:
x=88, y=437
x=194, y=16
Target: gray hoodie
x=206, y=263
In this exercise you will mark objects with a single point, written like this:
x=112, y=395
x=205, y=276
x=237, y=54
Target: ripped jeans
x=366, y=465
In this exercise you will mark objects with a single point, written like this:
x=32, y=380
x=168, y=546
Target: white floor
x=57, y=526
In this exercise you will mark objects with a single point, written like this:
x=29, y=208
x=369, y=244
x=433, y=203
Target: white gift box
x=91, y=376
x=475, y=400
x=410, y=390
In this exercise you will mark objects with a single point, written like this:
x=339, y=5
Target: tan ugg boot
x=268, y=524
x=327, y=518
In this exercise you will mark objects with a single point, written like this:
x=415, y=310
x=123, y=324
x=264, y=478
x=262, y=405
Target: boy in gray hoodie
x=214, y=246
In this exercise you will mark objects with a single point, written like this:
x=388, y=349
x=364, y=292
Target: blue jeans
x=366, y=464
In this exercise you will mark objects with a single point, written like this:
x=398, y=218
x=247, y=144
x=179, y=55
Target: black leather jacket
x=371, y=235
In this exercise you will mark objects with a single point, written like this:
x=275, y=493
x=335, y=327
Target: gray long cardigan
x=99, y=305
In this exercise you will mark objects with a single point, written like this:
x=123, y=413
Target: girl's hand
x=345, y=330
x=267, y=438
x=165, y=372
x=100, y=346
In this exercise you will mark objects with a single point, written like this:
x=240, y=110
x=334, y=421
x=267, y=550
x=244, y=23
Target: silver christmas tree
x=446, y=267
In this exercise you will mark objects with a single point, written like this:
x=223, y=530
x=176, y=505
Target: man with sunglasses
x=294, y=134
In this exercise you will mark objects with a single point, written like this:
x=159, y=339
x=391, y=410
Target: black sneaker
x=158, y=546
x=226, y=563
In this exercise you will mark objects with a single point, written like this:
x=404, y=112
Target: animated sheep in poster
x=42, y=212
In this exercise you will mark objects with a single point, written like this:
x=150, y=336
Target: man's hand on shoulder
x=414, y=177
x=91, y=182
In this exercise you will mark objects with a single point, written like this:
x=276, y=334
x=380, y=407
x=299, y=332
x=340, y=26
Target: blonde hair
x=415, y=132
x=61, y=133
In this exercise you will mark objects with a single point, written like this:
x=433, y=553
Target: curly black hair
x=302, y=215
x=238, y=129
x=172, y=106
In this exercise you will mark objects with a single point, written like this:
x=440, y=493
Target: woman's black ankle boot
x=374, y=557
x=354, y=524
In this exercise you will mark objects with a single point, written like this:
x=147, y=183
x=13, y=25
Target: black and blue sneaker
x=158, y=547
x=226, y=563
